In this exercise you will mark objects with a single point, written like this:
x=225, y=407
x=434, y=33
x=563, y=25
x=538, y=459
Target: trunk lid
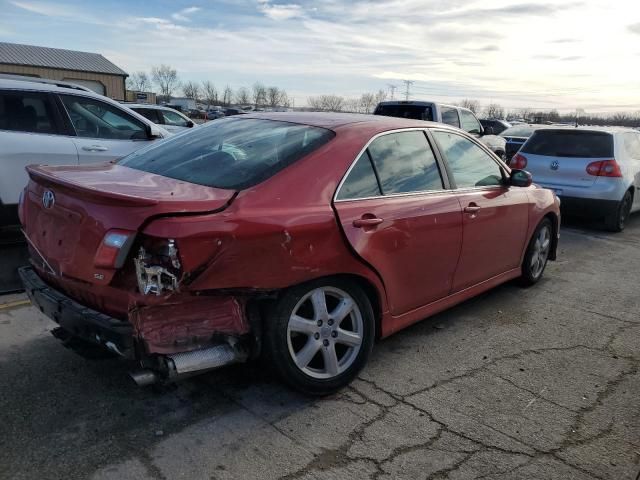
x=66, y=229
x=558, y=158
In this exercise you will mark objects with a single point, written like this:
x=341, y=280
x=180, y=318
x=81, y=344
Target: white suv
x=57, y=123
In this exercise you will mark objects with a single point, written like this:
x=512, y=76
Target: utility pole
x=408, y=83
x=393, y=89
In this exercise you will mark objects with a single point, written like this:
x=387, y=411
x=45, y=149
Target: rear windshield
x=570, y=143
x=518, y=131
x=230, y=153
x=414, y=112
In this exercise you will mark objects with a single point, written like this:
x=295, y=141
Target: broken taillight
x=114, y=248
x=158, y=267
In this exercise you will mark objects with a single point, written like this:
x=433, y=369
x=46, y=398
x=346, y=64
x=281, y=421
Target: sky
x=544, y=54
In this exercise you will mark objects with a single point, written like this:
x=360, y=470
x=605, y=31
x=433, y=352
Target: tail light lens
x=604, y=168
x=114, y=248
x=518, y=162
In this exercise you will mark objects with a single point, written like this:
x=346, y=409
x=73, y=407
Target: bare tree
x=139, y=82
x=367, y=102
x=191, y=90
x=473, y=105
x=494, y=110
x=209, y=93
x=329, y=103
x=227, y=96
x=258, y=94
x=243, y=97
x=275, y=97
x=166, y=78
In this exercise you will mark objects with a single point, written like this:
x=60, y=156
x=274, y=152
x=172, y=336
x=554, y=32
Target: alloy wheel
x=325, y=332
x=541, y=249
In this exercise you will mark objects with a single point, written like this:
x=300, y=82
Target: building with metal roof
x=91, y=70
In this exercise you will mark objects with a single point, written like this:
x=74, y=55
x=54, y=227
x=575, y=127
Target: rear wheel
x=537, y=255
x=319, y=335
x=617, y=220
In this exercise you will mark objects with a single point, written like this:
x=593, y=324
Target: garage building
x=90, y=70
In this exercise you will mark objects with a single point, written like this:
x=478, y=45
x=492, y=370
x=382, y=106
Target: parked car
x=516, y=136
x=214, y=113
x=494, y=126
x=304, y=236
x=229, y=112
x=595, y=171
x=166, y=117
x=450, y=114
x=58, y=123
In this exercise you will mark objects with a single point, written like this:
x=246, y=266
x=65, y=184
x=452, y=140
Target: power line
x=408, y=83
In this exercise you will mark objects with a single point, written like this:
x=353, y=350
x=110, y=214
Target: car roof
x=147, y=105
x=595, y=128
x=332, y=121
x=44, y=85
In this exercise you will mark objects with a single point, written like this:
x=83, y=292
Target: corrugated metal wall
x=114, y=84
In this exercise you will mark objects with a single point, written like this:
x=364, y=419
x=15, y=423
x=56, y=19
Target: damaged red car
x=303, y=237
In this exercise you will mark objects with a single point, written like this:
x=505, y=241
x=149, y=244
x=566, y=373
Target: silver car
x=595, y=171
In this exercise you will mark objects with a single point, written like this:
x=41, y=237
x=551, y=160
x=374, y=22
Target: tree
x=258, y=94
x=329, y=103
x=209, y=93
x=166, y=78
x=191, y=90
x=494, y=110
x=242, y=96
x=227, y=96
x=139, y=82
x=275, y=97
x=473, y=105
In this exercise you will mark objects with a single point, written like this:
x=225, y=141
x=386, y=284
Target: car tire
x=618, y=219
x=319, y=335
x=537, y=254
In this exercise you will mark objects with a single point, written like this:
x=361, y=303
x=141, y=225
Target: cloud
x=635, y=28
x=183, y=15
x=280, y=11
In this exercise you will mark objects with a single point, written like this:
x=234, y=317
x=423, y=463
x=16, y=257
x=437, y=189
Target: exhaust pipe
x=186, y=364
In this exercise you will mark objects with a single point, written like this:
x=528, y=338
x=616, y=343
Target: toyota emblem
x=48, y=199
x=555, y=165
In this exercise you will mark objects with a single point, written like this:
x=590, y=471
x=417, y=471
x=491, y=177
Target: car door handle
x=95, y=148
x=471, y=209
x=367, y=222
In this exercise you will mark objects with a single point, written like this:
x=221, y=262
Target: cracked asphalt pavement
x=539, y=383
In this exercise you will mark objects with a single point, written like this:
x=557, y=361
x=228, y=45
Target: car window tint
x=469, y=123
x=415, y=112
x=95, y=119
x=233, y=153
x=173, y=118
x=150, y=114
x=405, y=163
x=570, y=143
x=470, y=165
x=361, y=182
x=26, y=112
x=450, y=116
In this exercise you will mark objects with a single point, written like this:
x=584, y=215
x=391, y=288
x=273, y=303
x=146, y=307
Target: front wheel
x=319, y=335
x=537, y=254
x=617, y=220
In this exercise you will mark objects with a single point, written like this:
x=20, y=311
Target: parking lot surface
x=539, y=383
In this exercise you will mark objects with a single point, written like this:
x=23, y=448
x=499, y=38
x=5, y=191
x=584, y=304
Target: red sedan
x=300, y=236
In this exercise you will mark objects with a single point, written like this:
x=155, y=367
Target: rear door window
x=450, y=116
x=570, y=143
x=31, y=112
x=415, y=112
x=232, y=153
x=361, y=181
x=96, y=119
x=469, y=122
x=150, y=114
x=470, y=165
x=173, y=118
x=405, y=163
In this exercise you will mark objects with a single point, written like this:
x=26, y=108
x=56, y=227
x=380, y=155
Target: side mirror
x=520, y=178
x=488, y=131
x=153, y=132
x=190, y=124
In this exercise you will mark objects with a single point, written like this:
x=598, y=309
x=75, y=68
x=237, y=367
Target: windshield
x=230, y=153
x=415, y=112
x=570, y=143
x=518, y=131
